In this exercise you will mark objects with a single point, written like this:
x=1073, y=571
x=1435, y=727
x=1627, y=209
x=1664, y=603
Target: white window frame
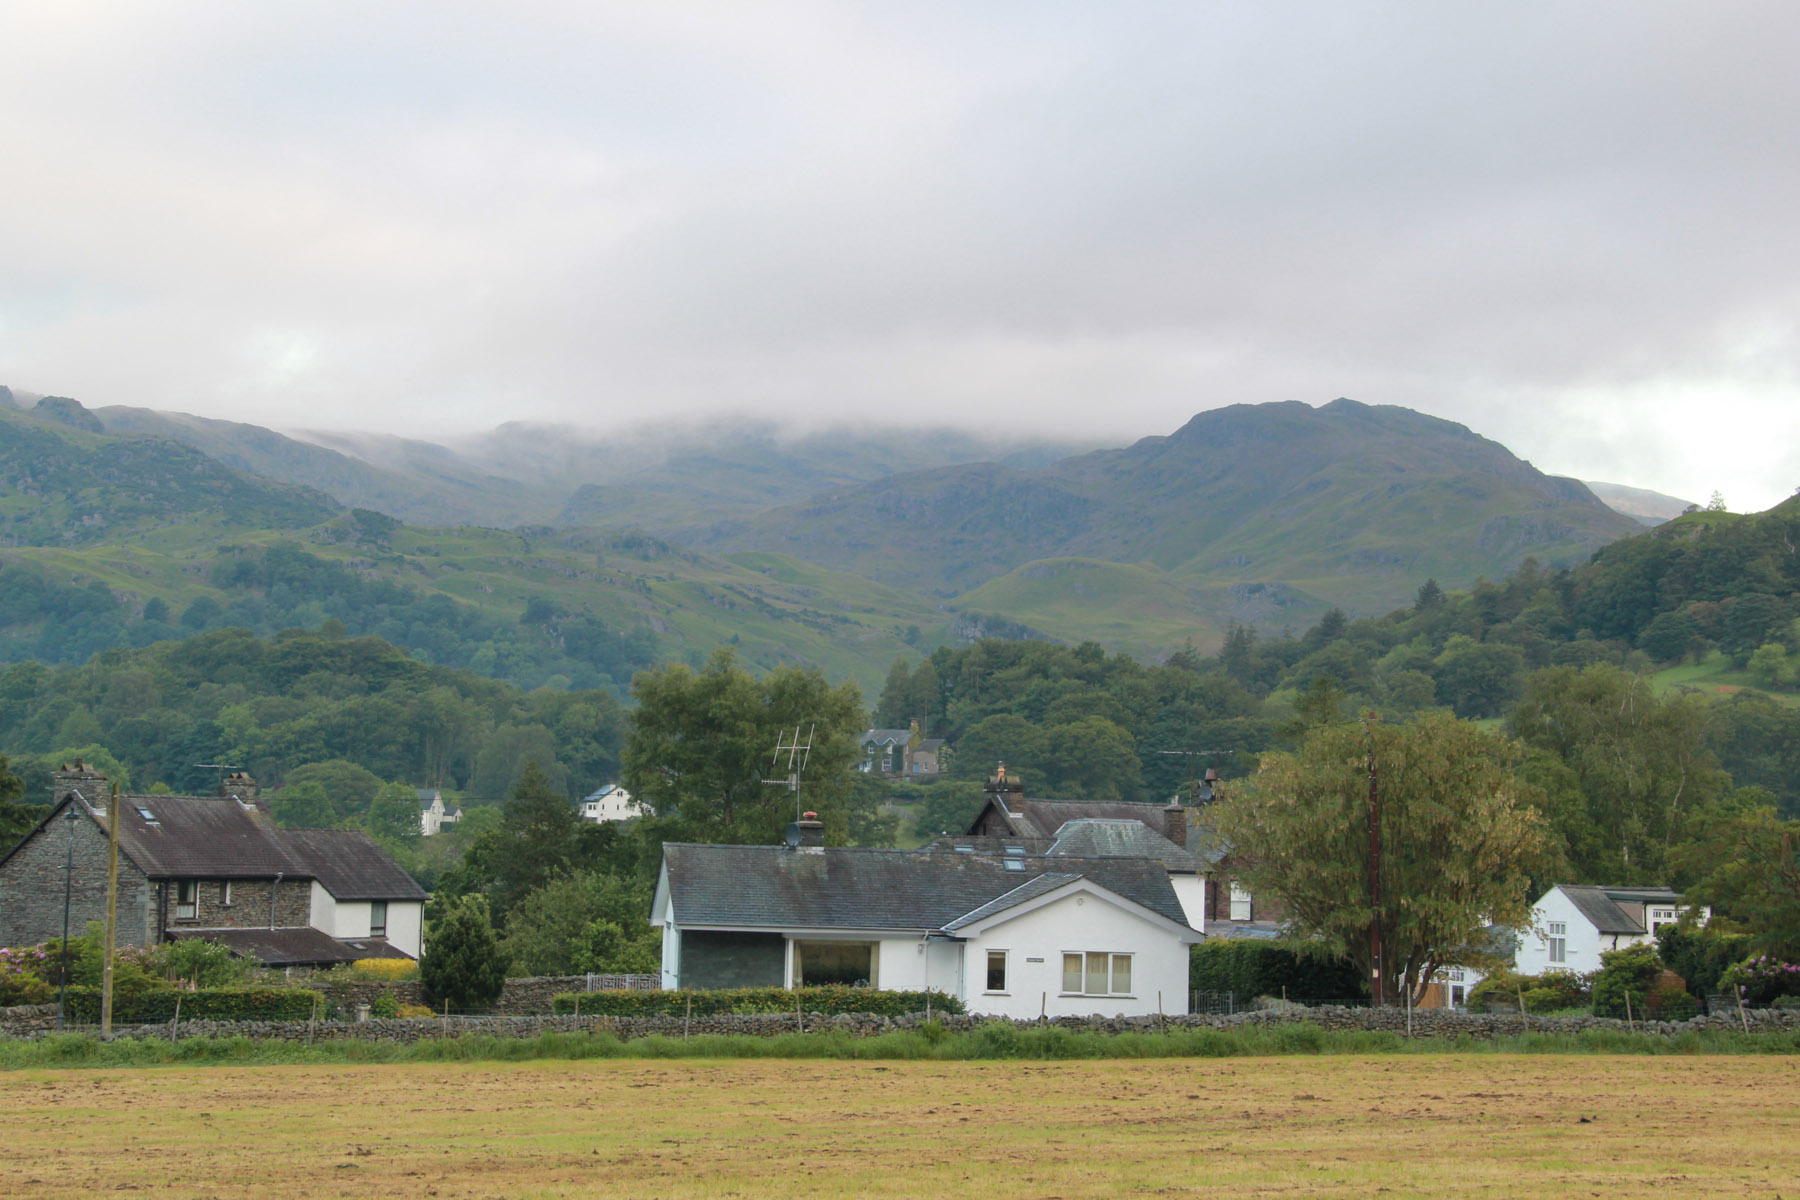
x=1242, y=903
x=1110, y=969
x=1558, y=940
x=991, y=990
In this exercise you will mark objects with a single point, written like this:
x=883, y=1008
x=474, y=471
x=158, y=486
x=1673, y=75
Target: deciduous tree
x=1459, y=841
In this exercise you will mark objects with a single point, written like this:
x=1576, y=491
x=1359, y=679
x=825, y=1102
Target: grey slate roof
x=902, y=736
x=292, y=946
x=982, y=844
x=1100, y=838
x=190, y=836
x=351, y=865
x=1044, y=818
x=772, y=887
x=1602, y=905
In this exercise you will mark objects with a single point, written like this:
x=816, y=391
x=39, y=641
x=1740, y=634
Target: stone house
x=207, y=867
x=1010, y=935
x=902, y=753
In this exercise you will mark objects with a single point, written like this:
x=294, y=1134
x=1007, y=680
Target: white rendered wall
x=1583, y=942
x=671, y=956
x=324, y=910
x=1076, y=924
x=406, y=926
x=1191, y=891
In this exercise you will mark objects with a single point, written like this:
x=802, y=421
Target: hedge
x=216, y=1004
x=1249, y=968
x=831, y=1000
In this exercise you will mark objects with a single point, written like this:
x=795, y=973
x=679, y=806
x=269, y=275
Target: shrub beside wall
x=1249, y=968
x=218, y=1004
x=743, y=1001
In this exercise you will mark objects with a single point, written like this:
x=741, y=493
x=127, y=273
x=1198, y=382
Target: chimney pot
x=1175, y=824
x=812, y=830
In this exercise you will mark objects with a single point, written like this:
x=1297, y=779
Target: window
x=378, y=918
x=1559, y=946
x=1097, y=973
x=996, y=977
x=1240, y=903
x=187, y=899
x=225, y=893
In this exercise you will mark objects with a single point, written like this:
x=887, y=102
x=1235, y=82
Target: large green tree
x=701, y=752
x=16, y=817
x=553, y=930
x=1639, y=763
x=1746, y=864
x=463, y=965
x=1459, y=841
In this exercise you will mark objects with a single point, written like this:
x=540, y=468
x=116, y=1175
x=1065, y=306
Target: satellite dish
x=792, y=835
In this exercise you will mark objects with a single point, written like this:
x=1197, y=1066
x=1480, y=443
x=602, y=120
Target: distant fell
x=1346, y=503
x=1641, y=504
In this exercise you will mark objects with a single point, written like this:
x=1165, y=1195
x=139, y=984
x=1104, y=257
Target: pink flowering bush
x=22, y=976
x=1762, y=979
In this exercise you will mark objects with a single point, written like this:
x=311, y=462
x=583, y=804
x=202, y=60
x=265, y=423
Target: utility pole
x=1375, y=980
x=112, y=912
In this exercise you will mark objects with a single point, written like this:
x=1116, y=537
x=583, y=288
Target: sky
x=1571, y=227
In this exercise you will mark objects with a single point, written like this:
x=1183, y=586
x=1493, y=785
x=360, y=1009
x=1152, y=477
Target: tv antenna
x=798, y=753
x=221, y=768
x=1202, y=790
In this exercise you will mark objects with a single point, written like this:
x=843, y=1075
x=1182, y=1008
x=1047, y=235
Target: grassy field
x=1466, y=1125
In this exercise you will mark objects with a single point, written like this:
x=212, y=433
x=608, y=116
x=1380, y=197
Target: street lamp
x=62, y=984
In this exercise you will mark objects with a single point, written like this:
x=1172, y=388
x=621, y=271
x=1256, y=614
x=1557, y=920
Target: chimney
x=240, y=787
x=91, y=782
x=1175, y=824
x=812, y=830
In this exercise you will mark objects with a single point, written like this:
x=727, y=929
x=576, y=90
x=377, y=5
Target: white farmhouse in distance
x=1572, y=925
x=610, y=803
x=433, y=816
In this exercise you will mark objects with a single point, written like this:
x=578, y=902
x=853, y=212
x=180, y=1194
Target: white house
x=1571, y=925
x=1008, y=935
x=359, y=894
x=433, y=815
x=610, y=803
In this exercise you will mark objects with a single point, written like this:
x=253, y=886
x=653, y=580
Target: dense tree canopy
x=1459, y=841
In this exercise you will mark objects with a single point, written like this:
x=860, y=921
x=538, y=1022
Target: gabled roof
x=186, y=836
x=1103, y=838
x=1045, y=818
x=351, y=865
x=773, y=887
x=903, y=736
x=1043, y=885
x=1602, y=905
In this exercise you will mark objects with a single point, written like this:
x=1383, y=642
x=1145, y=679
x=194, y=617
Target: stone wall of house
x=31, y=887
x=249, y=904
x=34, y=1022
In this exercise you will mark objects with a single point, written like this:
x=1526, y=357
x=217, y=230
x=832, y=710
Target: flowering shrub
x=22, y=976
x=1763, y=979
x=386, y=969
x=415, y=1010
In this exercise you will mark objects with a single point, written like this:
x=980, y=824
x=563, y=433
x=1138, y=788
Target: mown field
x=1486, y=1125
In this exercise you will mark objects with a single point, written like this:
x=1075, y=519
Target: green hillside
x=63, y=484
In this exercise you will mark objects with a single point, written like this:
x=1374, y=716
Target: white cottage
x=1571, y=925
x=1009, y=935
x=610, y=803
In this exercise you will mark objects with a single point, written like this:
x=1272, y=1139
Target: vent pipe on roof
x=272, y=888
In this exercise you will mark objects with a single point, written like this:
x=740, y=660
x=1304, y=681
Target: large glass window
x=1097, y=973
x=819, y=963
x=1559, y=946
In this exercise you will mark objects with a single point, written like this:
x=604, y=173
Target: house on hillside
x=1010, y=935
x=208, y=867
x=1572, y=925
x=610, y=803
x=902, y=753
x=433, y=813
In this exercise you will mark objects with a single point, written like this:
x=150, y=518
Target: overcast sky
x=1574, y=227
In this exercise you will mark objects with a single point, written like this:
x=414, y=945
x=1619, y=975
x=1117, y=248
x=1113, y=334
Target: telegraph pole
x=112, y=912
x=1374, y=872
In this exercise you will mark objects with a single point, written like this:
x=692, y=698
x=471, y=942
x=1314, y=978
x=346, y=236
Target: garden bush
x=1299, y=970
x=1631, y=972
x=831, y=1000
x=1763, y=979
x=1701, y=956
x=385, y=1005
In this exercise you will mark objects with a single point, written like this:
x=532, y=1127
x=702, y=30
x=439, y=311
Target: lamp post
x=62, y=983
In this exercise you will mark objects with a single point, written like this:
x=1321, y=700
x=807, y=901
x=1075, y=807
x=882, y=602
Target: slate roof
x=1044, y=818
x=190, y=836
x=1099, y=838
x=772, y=887
x=351, y=865
x=982, y=844
x=1602, y=905
x=292, y=946
x=903, y=736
